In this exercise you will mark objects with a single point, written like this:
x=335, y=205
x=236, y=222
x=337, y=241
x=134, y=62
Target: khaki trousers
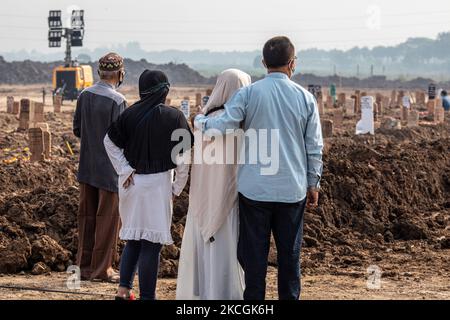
x=98, y=229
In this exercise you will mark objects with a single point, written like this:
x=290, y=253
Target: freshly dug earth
x=382, y=194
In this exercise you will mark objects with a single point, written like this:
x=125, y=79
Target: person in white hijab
x=208, y=267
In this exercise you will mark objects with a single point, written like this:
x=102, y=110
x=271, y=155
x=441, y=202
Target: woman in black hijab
x=140, y=146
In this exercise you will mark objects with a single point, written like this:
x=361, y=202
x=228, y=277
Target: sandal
x=114, y=277
x=131, y=297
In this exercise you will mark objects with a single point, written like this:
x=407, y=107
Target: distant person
x=274, y=202
x=445, y=100
x=140, y=147
x=98, y=218
x=209, y=268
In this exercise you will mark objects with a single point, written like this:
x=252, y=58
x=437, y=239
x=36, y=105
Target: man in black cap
x=98, y=218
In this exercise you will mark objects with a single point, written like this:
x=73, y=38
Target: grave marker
x=26, y=113
x=9, y=104
x=431, y=106
x=16, y=107
x=57, y=103
x=413, y=118
x=366, y=124
x=38, y=112
x=439, y=112
x=185, y=108
x=327, y=128
x=393, y=98
x=341, y=99
x=320, y=106
x=36, y=139
x=46, y=136
x=431, y=91
x=198, y=99
x=349, y=108
x=338, y=118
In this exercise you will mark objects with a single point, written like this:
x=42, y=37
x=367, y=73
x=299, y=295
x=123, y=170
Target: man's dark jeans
x=257, y=220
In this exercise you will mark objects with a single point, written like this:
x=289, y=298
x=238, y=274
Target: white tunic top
x=145, y=207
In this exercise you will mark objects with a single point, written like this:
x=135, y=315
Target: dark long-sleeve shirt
x=97, y=108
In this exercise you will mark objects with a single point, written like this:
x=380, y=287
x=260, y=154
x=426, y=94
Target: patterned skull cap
x=110, y=62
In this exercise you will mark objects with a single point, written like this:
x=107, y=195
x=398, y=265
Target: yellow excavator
x=71, y=78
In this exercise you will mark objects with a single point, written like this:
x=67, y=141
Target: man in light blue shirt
x=273, y=194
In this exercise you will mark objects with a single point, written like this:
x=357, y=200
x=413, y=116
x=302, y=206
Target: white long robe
x=209, y=270
x=146, y=207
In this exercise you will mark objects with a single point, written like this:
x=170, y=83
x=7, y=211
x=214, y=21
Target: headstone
x=366, y=124
x=320, y=106
x=38, y=112
x=393, y=98
x=378, y=99
x=405, y=114
x=16, y=107
x=46, y=136
x=338, y=118
x=413, y=118
x=400, y=96
x=380, y=106
x=198, y=99
x=341, y=99
x=357, y=98
x=386, y=103
x=431, y=91
x=57, y=103
x=349, y=108
x=439, y=112
x=327, y=128
x=406, y=101
x=330, y=103
x=185, y=108
x=9, y=104
x=26, y=113
x=375, y=111
x=420, y=98
x=36, y=140
x=315, y=90
x=431, y=106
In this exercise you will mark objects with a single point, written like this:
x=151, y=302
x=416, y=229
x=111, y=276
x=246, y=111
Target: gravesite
x=373, y=119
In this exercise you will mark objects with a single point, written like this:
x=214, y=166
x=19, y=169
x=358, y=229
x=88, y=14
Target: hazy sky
x=228, y=25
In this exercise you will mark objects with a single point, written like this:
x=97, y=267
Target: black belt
x=214, y=110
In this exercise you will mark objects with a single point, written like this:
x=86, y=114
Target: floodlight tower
x=74, y=35
x=68, y=80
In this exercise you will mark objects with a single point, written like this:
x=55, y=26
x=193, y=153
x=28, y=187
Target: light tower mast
x=74, y=35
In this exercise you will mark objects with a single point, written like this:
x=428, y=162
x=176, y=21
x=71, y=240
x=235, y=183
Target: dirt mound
x=388, y=192
x=31, y=72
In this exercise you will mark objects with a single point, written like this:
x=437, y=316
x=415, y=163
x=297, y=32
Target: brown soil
x=385, y=201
